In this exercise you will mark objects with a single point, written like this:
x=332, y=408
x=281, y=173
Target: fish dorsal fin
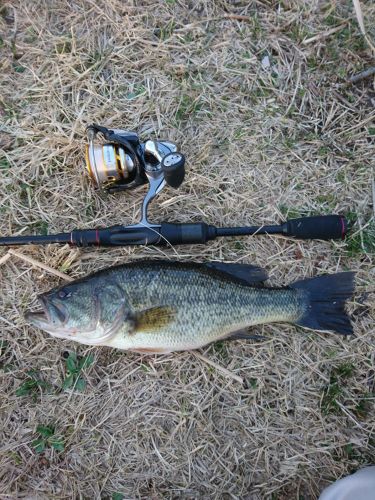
x=153, y=319
x=244, y=272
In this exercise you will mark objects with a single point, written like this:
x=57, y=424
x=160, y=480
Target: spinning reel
x=124, y=163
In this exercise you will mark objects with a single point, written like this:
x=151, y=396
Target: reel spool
x=116, y=165
x=124, y=163
x=109, y=163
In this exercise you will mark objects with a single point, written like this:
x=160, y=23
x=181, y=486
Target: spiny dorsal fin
x=153, y=319
x=244, y=272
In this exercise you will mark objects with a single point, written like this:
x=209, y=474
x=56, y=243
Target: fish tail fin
x=327, y=297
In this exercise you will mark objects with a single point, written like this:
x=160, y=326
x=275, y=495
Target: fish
x=161, y=306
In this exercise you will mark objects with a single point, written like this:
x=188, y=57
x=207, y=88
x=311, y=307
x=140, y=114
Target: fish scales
x=208, y=306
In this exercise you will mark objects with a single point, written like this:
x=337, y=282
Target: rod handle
x=319, y=227
x=186, y=233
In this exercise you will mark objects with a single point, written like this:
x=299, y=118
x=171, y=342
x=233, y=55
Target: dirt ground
x=255, y=94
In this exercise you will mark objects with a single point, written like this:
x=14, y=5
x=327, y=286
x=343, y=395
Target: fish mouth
x=36, y=317
x=50, y=315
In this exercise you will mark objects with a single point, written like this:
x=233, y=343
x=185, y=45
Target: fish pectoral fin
x=154, y=318
x=244, y=272
x=243, y=335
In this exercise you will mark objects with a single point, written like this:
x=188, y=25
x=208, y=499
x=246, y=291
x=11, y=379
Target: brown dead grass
x=261, y=143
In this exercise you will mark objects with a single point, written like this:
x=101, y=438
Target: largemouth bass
x=161, y=306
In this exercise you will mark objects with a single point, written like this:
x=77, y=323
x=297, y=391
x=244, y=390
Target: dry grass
x=261, y=143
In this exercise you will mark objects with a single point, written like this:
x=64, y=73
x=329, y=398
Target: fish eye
x=63, y=294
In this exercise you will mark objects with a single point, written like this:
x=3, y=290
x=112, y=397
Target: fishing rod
x=124, y=163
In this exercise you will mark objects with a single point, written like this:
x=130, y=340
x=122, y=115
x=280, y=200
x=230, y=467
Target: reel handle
x=320, y=227
x=173, y=166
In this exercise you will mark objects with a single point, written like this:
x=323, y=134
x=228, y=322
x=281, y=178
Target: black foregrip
x=135, y=236
x=115, y=236
x=180, y=234
x=321, y=227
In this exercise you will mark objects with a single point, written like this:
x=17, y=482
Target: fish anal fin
x=153, y=319
x=243, y=272
x=149, y=350
x=242, y=335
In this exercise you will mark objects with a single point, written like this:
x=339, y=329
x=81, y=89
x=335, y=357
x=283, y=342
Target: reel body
x=125, y=163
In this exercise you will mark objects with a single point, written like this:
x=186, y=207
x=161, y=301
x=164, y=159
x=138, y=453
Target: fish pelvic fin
x=242, y=335
x=155, y=318
x=327, y=296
